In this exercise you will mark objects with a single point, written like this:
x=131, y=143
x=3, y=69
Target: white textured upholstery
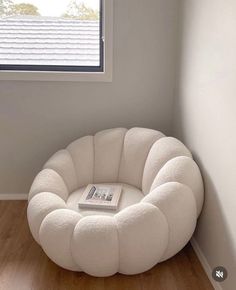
x=183, y=170
x=137, y=144
x=143, y=237
x=39, y=207
x=49, y=180
x=161, y=199
x=176, y=202
x=62, y=163
x=108, y=147
x=95, y=242
x=58, y=228
x=82, y=153
x=162, y=151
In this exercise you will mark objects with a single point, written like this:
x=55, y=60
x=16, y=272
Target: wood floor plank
x=24, y=266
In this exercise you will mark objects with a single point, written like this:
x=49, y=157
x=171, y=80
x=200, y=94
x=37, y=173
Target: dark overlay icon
x=219, y=274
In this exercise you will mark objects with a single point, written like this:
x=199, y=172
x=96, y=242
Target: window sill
x=56, y=76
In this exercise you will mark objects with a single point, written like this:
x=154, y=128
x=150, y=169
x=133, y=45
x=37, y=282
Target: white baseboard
x=205, y=264
x=13, y=196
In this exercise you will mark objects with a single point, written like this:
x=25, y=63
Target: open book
x=101, y=196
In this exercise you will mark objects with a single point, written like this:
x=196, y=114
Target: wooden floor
x=24, y=266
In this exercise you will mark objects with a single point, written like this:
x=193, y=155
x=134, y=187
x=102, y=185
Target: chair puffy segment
x=95, y=245
x=143, y=237
x=176, y=201
x=39, y=207
x=183, y=170
x=82, y=152
x=162, y=151
x=137, y=144
x=62, y=163
x=55, y=237
x=108, y=148
x=49, y=180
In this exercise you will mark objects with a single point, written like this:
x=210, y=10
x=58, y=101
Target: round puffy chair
x=161, y=200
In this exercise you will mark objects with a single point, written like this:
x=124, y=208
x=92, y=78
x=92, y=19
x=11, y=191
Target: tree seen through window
x=73, y=9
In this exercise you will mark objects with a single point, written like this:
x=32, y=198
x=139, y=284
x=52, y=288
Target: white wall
x=205, y=119
x=37, y=118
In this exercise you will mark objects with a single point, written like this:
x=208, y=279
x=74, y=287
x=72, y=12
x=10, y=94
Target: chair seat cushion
x=130, y=195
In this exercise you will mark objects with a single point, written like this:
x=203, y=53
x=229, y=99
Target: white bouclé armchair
x=161, y=200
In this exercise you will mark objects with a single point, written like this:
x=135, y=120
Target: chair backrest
x=141, y=157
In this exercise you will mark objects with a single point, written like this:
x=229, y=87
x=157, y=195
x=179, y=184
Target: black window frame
x=66, y=68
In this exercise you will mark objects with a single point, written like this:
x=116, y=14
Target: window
x=71, y=36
